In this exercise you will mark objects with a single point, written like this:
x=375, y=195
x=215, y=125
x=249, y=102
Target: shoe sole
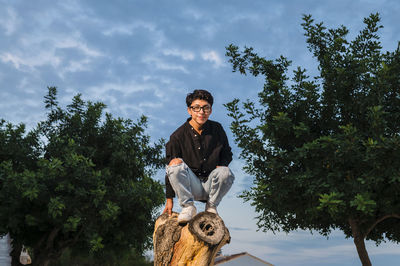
x=215, y=212
x=183, y=222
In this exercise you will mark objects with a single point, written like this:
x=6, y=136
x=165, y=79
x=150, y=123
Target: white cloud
x=162, y=65
x=9, y=21
x=213, y=57
x=193, y=13
x=208, y=26
x=30, y=61
x=211, y=29
x=123, y=60
x=185, y=55
x=51, y=41
x=157, y=36
x=15, y=60
x=75, y=66
x=388, y=248
x=128, y=29
x=125, y=89
x=40, y=46
x=119, y=29
x=39, y=50
x=75, y=43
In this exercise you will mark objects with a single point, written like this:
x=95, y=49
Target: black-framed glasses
x=206, y=108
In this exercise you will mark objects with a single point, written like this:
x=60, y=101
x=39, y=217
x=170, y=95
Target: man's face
x=199, y=110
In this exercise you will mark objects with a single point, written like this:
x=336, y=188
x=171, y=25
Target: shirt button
x=198, y=148
x=204, y=159
x=195, y=135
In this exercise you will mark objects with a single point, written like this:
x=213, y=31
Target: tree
x=79, y=180
x=325, y=152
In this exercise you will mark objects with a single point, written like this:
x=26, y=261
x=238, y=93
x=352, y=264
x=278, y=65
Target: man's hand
x=168, y=206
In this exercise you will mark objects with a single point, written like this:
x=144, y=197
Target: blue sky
x=143, y=57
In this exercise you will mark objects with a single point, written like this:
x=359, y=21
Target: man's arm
x=226, y=153
x=169, y=191
x=168, y=206
x=172, y=152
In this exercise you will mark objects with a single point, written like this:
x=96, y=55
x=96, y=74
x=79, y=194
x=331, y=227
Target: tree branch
x=72, y=241
x=40, y=242
x=62, y=245
x=52, y=236
x=380, y=220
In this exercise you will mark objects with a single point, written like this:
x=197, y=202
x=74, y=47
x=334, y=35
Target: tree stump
x=195, y=243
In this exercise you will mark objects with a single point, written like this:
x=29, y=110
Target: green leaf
x=363, y=203
x=56, y=207
x=331, y=202
x=96, y=244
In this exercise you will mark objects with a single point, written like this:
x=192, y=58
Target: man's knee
x=225, y=174
x=175, y=161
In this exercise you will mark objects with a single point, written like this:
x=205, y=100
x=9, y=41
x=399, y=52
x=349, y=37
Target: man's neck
x=196, y=126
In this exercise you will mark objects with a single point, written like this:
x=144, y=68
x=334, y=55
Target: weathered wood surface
x=196, y=243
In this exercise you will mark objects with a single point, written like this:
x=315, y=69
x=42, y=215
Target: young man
x=198, y=155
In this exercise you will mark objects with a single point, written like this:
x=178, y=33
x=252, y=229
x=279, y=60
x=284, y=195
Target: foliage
x=80, y=179
x=104, y=258
x=325, y=152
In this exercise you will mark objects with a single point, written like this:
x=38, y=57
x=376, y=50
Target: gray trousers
x=188, y=187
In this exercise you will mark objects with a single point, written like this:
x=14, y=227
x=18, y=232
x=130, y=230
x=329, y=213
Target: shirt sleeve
x=169, y=191
x=172, y=151
x=226, y=153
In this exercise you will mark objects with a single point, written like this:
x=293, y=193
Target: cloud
x=213, y=57
x=77, y=66
x=388, y=248
x=9, y=21
x=160, y=64
x=131, y=28
x=55, y=51
x=26, y=62
x=119, y=30
x=120, y=93
x=24, y=108
x=185, y=55
x=193, y=13
x=48, y=38
x=240, y=228
x=75, y=43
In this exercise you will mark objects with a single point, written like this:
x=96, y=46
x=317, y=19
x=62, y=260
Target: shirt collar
x=206, y=126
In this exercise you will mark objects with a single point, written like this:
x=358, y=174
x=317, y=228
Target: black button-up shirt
x=202, y=153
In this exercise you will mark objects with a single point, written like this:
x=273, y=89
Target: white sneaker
x=187, y=214
x=210, y=208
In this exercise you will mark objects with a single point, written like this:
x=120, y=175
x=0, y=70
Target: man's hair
x=199, y=95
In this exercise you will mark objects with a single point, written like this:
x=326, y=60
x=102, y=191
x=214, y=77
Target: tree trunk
x=359, y=242
x=15, y=252
x=41, y=259
x=196, y=243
